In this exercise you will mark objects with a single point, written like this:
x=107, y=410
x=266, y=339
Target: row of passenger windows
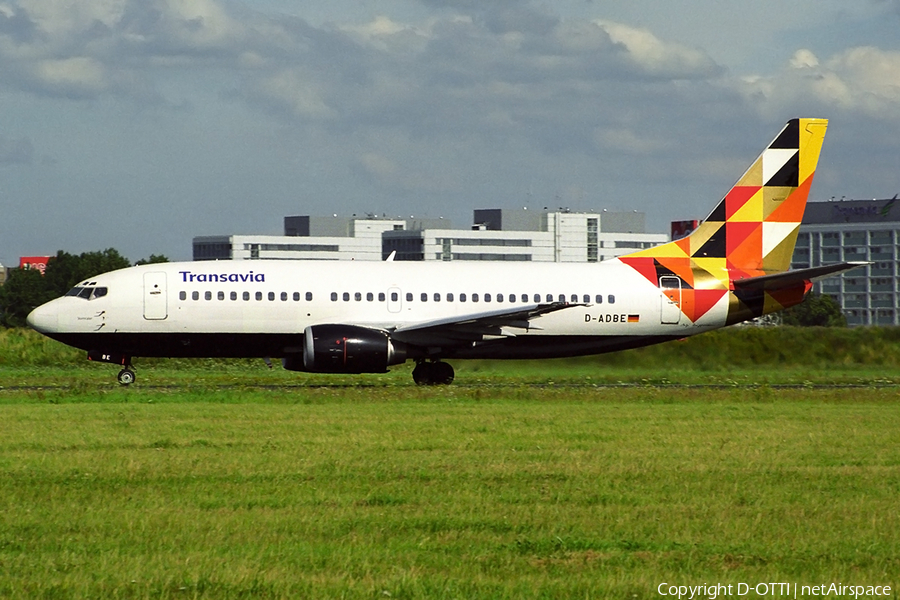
x=450, y=297
x=410, y=297
x=245, y=296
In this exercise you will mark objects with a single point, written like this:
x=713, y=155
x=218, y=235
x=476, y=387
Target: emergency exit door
x=155, y=303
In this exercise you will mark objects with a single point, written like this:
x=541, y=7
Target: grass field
x=227, y=480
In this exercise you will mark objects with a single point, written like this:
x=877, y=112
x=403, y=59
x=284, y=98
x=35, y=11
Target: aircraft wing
x=475, y=326
x=787, y=279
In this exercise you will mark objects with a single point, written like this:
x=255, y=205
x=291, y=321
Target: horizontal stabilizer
x=788, y=279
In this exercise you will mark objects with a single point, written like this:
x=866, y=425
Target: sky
x=139, y=124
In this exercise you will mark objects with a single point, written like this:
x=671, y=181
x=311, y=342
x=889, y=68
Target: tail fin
x=753, y=230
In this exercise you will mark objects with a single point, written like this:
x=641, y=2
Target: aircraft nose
x=44, y=318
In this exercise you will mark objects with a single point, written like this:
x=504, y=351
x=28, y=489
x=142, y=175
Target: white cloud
x=77, y=75
x=865, y=80
x=655, y=57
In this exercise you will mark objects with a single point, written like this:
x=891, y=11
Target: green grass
x=503, y=492
x=224, y=479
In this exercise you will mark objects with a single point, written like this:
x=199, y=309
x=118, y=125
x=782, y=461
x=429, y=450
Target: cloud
x=659, y=58
x=863, y=80
x=16, y=151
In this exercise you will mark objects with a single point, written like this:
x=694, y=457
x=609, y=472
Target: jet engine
x=345, y=349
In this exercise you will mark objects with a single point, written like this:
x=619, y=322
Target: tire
x=422, y=374
x=442, y=373
x=126, y=377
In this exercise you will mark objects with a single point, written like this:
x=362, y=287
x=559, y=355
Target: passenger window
x=246, y=296
x=381, y=296
x=611, y=299
x=512, y=297
x=334, y=296
x=370, y=296
x=487, y=297
x=499, y=297
x=450, y=297
x=220, y=295
x=357, y=296
x=394, y=296
x=437, y=297
x=549, y=297
x=296, y=296
x=195, y=295
x=598, y=299
x=537, y=298
x=424, y=297
x=309, y=297
x=346, y=296
x=271, y=296
x=586, y=298
x=208, y=295
x=181, y=295
x=234, y=295
x=462, y=297
x=562, y=297
x=259, y=296
x=474, y=297
x=284, y=296
x=409, y=296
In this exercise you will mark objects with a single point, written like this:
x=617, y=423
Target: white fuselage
x=167, y=309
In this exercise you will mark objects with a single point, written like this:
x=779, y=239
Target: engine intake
x=346, y=349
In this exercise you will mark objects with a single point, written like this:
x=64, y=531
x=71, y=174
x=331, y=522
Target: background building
x=497, y=235
x=855, y=230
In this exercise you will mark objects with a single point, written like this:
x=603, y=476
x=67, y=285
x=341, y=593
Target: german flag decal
x=634, y=318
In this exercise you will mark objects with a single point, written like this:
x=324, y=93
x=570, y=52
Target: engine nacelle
x=346, y=349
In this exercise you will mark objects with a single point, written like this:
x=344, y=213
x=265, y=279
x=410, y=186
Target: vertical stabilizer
x=750, y=233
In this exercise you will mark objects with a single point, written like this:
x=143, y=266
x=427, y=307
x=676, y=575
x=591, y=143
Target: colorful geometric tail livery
x=743, y=250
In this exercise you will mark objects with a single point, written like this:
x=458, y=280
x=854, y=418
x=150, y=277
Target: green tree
x=65, y=270
x=23, y=290
x=154, y=259
x=26, y=289
x=816, y=310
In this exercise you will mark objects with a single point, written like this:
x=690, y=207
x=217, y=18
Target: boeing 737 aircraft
x=363, y=317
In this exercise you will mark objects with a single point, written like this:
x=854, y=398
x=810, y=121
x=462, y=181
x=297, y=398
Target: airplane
x=364, y=317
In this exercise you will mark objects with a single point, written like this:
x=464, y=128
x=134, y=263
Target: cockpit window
x=88, y=293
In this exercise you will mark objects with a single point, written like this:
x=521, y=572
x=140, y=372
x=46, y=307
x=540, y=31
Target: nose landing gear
x=126, y=376
x=433, y=373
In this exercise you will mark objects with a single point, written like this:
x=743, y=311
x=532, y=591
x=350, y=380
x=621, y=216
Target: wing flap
x=476, y=326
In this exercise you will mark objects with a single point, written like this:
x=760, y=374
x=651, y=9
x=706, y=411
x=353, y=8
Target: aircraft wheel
x=126, y=377
x=442, y=373
x=422, y=373
x=433, y=373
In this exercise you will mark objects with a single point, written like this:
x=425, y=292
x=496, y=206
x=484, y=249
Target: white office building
x=855, y=230
x=497, y=235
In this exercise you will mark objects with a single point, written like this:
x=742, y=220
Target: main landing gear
x=432, y=373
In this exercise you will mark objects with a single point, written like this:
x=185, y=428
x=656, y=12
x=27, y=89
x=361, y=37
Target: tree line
x=27, y=288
